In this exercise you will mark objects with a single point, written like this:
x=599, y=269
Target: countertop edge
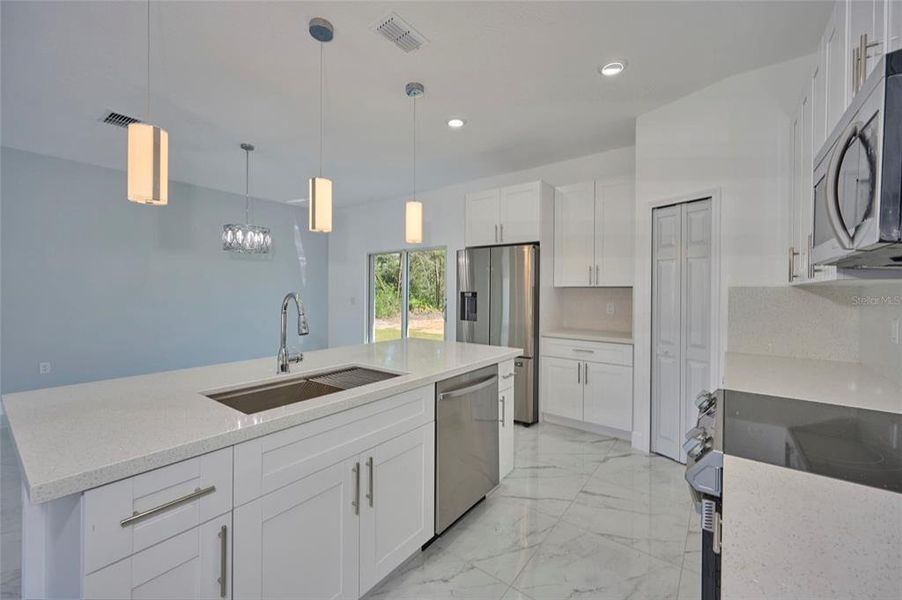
x=612, y=337
x=46, y=491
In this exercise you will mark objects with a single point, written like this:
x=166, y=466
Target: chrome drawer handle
x=469, y=389
x=370, y=496
x=583, y=350
x=508, y=376
x=137, y=517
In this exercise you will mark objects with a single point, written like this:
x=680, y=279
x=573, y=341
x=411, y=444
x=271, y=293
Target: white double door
x=682, y=318
x=334, y=534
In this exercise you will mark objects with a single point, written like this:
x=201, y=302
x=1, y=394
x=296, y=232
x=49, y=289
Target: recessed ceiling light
x=612, y=68
x=456, y=123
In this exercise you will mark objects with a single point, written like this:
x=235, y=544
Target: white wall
x=379, y=226
x=732, y=137
x=101, y=287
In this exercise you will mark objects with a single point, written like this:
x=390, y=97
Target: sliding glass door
x=407, y=295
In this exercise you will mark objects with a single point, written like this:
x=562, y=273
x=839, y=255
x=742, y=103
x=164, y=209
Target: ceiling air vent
x=400, y=33
x=119, y=120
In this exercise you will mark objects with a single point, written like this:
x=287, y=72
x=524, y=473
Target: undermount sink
x=258, y=398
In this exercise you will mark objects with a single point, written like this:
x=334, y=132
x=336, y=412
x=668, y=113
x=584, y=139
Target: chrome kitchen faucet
x=285, y=358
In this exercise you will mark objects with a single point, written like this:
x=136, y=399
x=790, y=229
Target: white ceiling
x=522, y=74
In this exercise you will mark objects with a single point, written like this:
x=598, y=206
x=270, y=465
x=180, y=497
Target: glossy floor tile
x=581, y=516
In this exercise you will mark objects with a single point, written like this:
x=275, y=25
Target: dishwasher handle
x=483, y=383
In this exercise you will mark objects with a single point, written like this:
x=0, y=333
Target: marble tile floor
x=581, y=516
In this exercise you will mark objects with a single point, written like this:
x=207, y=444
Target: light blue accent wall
x=101, y=287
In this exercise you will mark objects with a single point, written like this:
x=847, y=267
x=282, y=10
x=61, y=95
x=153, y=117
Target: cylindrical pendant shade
x=413, y=222
x=320, y=194
x=148, y=164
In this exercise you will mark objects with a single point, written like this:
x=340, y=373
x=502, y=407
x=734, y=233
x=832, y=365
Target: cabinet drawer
x=602, y=352
x=190, y=565
x=273, y=461
x=160, y=504
x=505, y=375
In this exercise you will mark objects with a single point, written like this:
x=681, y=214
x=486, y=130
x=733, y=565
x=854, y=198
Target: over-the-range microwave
x=858, y=178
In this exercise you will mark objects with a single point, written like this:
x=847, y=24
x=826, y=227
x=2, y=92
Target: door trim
x=642, y=301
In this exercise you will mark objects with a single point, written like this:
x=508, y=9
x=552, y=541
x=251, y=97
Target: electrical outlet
x=44, y=368
x=894, y=331
x=610, y=308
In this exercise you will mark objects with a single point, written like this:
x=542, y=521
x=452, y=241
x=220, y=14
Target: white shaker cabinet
x=507, y=215
x=506, y=374
x=483, y=211
x=397, y=512
x=300, y=541
x=836, y=66
x=593, y=234
x=192, y=564
x=588, y=383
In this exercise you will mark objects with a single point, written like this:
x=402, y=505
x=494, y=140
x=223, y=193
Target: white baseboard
x=590, y=427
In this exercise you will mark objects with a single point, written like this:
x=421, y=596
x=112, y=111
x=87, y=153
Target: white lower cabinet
x=588, y=382
x=397, y=513
x=192, y=564
x=300, y=541
x=336, y=533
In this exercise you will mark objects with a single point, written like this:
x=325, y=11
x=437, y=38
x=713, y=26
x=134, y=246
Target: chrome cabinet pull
x=496, y=233
x=502, y=233
x=503, y=404
x=590, y=274
x=508, y=376
x=369, y=463
x=583, y=350
x=578, y=373
x=223, y=557
x=357, y=488
x=596, y=274
x=137, y=517
x=792, y=264
x=586, y=373
x=469, y=389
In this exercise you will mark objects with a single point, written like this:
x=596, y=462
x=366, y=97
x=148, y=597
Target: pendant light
x=245, y=238
x=320, y=188
x=148, y=153
x=413, y=210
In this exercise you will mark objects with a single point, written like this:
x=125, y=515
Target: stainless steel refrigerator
x=498, y=304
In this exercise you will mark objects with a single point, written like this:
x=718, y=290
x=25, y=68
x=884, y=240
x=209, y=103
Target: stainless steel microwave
x=858, y=178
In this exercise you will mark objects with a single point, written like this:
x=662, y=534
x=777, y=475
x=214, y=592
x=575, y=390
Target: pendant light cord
x=414, y=148
x=321, y=117
x=147, y=106
x=247, y=185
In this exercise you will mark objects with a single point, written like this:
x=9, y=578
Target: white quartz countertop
x=590, y=335
x=76, y=437
x=828, y=381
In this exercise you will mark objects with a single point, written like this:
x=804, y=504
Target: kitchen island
x=145, y=484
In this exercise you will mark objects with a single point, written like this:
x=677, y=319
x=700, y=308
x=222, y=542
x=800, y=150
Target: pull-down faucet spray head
x=284, y=358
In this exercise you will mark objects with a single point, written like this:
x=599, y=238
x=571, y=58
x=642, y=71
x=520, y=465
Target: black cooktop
x=854, y=444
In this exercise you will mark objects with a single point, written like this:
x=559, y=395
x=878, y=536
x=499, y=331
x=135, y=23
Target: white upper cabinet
x=483, y=212
x=836, y=66
x=593, y=234
x=521, y=208
x=574, y=234
x=893, y=25
x=866, y=18
x=508, y=215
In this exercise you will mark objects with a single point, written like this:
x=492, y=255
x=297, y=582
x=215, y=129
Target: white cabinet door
x=187, y=566
x=794, y=264
x=505, y=431
x=837, y=65
x=483, y=213
x=562, y=387
x=521, y=209
x=866, y=17
x=615, y=209
x=397, y=514
x=300, y=541
x=608, y=397
x=819, y=103
x=893, y=25
x=574, y=235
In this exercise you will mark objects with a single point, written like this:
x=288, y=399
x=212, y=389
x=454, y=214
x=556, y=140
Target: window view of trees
x=426, y=294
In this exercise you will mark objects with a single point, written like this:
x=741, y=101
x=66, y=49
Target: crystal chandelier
x=245, y=238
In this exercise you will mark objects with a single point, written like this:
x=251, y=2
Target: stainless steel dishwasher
x=466, y=443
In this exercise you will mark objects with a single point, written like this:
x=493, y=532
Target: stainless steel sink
x=258, y=398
